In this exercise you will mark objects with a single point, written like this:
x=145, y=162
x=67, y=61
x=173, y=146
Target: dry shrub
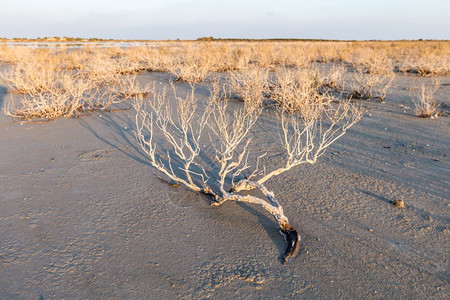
x=103, y=69
x=425, y=105
x=190, y=65
x=49, y=89
x=63, y=97
x=129, y=87
x=192, y=69
x=31, y=71
x=424, y=58
x=152, y=58
x=425, y=65
x=14, y=54
x=189, y=70
x=193, y=63
x=268, y=55
x=69, y=95
x=250, y=85
x=332, y=77
x=370, y=86
x=31, y=75
x=226, y=57
x=329, y=51
x=371, y=61
x=171, y=134
x=281, y=54
x=296, y=90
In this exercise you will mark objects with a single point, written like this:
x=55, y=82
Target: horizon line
x=206, y=39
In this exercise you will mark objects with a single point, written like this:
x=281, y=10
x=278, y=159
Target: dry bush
x=74, y=60
x=49, y=88
x=370, y=86
x=373, y=61
x=332, y=77
x=329, y=51
x=307, y=133
x=61, y=98
x=301, y=55
x=263, y=55
x=250, y=85
x=270, y=55
x=296, y=90
x=151, y=58
x=191, y=65
x=424, y=58
x=186, y=124
x=191, y=69
x=425, y=65
x=129, y=87
x=69, y=95
x=14, y=54
x=424, y=104
x=105, y=70
x=31, y=76
x=226, y=57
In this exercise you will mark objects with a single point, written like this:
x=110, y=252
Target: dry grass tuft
x=333, y=77
x=250, y=85
x=297, y=90
x=424, y=104
x=399, y=203
x=370, y=86
x=301, y=70
x=47, y=85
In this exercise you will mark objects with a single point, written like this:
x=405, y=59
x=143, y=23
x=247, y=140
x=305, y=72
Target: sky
x=191, y=19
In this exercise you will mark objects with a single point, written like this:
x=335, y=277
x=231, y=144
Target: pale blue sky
x=190, y=19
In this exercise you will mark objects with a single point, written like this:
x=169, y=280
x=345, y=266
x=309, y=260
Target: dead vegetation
x=296, y=90
x=369, y=85
x=305, y=132
x=306, y=83
x=94, y=78
x=45, y=87
x=333, y=77
x=425, y=105
x=398, y=203
x=250, y=85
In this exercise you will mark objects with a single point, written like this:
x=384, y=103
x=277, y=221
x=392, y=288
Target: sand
x=83, y=214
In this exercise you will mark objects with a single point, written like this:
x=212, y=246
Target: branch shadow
x=373, y=195
x=420, y=211
x=120, y=135
x=3, y=92
x=269, y=225
x=121, y=138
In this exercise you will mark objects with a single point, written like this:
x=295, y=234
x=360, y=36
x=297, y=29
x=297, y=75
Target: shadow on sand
x=3, y=92
x=120, y=135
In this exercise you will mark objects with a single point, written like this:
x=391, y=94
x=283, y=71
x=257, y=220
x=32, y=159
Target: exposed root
x=293, y=241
